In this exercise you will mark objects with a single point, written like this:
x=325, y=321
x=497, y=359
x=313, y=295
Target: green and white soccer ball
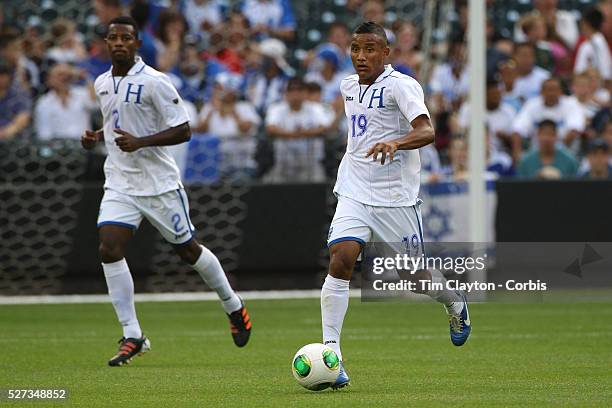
x=315, y=366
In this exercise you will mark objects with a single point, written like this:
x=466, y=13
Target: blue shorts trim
x=335, y=241
x=184, y=243
x=178, y=191
x=117, y=223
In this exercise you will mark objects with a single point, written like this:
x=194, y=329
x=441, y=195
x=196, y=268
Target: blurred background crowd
x=261, y=80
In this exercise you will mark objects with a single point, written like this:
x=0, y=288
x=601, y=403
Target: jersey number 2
x=116, y=116
x=361, y=121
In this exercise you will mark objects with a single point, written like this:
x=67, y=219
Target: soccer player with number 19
x=143, y=114
x=378, y=182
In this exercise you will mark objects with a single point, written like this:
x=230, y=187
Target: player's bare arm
x=421, y=135
x=280, y=133
x=171, y=136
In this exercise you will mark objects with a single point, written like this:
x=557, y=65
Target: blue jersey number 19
x=361, y=121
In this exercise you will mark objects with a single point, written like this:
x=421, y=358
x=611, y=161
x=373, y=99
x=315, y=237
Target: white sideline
x=164, y=297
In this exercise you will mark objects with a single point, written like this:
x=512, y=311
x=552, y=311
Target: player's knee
x=341, y=266
x=110, y=251
x=189, y=253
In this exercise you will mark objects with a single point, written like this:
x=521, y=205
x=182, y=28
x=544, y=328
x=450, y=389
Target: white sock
x=209, y=268
x=449, y=298
x=334, y=303
x=121, y=291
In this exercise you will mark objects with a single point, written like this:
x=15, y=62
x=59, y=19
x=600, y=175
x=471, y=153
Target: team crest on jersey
x=379, y=96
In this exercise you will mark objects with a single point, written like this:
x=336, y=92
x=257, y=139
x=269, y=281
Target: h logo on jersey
x=379, y=97
x=133, y=92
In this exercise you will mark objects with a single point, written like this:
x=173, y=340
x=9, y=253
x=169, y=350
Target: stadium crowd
x=277, y=114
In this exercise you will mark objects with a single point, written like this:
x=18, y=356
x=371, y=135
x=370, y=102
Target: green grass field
x=397, y=354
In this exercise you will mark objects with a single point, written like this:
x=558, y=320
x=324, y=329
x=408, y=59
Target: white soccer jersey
x=142, y=103
x=380, y=112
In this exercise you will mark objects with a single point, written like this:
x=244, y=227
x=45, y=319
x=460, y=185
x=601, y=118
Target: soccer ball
x=315, y=366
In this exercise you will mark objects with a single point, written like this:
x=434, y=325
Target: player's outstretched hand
x=127, y=142
x=89, y=139
x=384, y=148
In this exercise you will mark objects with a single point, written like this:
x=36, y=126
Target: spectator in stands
x=338, y=42
x=431, y=169
x=594, y=52
x=266, y=85
x=270, y=18
x=499, y=118
x=374, y=10
x=530, y=77
x=140, y=12
x=499, y=164
x=26, y=73
x=314, y=95
x=508, y=75
x=606, y=136
x=457, y=170
x=534, y=28
x=582, y=95
x=548, y=160
x=405, y=57
x=66, y=43
x=326, y=72
x=499, y=50
x=297, y=127
x=600, y=161
x=15, y=105
x=169, y=39
x=99, y=60
x=106, y=10
x=33, y=49
x=449, y=82
x=606, y=28
x=202, y=15
x=64, y=112
x=561, y=23
x=235, y=123
x=195, y=75
x=234, y=50
x=553, y=105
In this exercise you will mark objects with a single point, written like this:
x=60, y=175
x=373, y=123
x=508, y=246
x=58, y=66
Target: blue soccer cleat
x=460, y=325
x=343, y=379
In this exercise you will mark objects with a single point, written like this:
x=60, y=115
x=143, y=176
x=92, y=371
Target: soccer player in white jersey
x=378, y=181
x=143, y=114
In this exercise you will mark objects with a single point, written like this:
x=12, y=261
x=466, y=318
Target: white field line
x=164, y=297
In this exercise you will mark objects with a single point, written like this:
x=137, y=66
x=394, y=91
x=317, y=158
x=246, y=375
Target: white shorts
x=168, y=213
x=399, y=227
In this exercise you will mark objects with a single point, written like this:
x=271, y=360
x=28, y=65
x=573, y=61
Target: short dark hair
x=552, y=79
x=370, y=27
x=548, y=123
x=125, y=20
x=492, y=83
x=526, y=45
x=593, y=17
x=295, y=83
x=598, y=144
x=312, y=87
